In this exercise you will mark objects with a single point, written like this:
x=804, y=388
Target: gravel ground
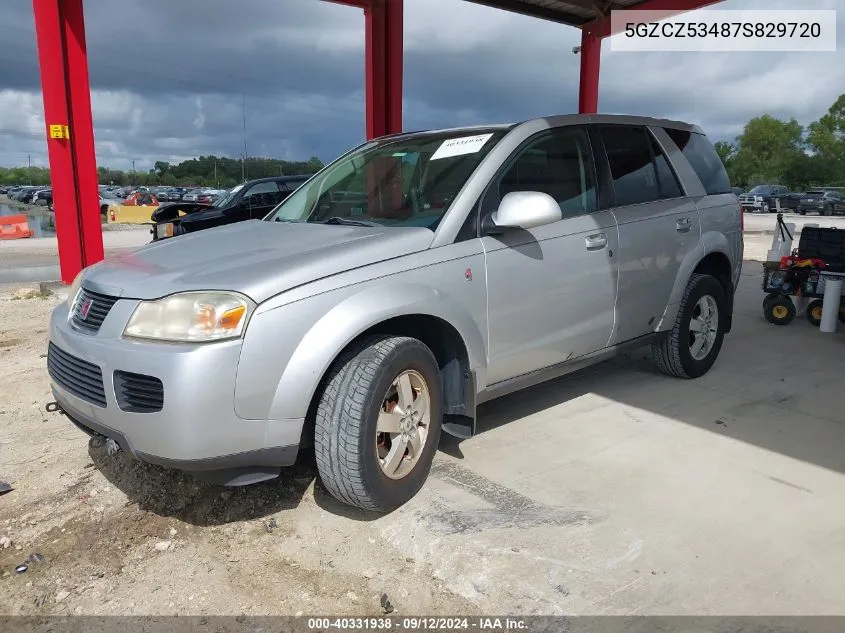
x=108, y=535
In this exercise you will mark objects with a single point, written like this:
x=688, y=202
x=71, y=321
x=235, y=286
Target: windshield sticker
x=461, y=146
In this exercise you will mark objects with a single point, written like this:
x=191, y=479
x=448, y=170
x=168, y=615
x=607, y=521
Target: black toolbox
x=824, y=243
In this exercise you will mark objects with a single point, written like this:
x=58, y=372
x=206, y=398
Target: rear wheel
x=696, y=337
x=828, y=210
x=814, y=312
x=378, y=422
x=779, y=310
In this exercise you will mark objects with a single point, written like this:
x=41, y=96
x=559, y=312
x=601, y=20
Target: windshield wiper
x=348, y=222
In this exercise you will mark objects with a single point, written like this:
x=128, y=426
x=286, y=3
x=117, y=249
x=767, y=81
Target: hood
x=259, y=259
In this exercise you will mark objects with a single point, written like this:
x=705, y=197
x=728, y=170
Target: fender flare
x=351, y=317
x=710, y=242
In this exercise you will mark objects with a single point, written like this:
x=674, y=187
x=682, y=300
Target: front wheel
x=378, y=422
x=693, y=344
x=814, y=312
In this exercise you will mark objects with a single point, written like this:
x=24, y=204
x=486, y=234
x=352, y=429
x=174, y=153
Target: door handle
x=596, y=242
x=683, y=225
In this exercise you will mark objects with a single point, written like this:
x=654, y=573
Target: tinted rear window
x=702, y=156
x=631, y=164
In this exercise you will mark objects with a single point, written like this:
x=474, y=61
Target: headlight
x=191, y=317
x=74, y=290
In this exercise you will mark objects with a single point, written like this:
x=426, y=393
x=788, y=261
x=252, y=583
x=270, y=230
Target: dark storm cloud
x=169, y=77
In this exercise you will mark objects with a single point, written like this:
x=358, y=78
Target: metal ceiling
x=572, y=12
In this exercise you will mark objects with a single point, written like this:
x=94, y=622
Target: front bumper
x=197, y=428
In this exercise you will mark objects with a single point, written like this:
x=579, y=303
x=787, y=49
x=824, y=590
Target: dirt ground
x=121, y=537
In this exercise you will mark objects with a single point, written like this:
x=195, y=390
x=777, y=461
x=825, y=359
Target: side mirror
x=526, y=210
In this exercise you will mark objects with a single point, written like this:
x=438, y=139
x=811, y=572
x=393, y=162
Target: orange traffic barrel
x=13, y=227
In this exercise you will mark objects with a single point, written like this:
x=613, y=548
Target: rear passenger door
x=658, y=226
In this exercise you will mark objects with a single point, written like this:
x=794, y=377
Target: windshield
x=227, y=198
x=406, y=181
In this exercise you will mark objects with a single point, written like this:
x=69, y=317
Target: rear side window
x=667, y=180
x=631, y=165
x=702, y=156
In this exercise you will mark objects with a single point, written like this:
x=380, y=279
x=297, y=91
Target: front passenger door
x=551, y=289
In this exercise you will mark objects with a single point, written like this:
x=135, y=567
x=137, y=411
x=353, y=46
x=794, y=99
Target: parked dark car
x=789, y=201
x=176, y=193
x=822, y=202
x=250, y=201
x=763, y=198
x=44, y=197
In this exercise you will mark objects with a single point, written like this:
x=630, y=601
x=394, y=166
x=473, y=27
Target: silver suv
x=414, y=278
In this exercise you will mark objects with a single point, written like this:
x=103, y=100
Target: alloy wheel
x=403, y=424
x=703, y=327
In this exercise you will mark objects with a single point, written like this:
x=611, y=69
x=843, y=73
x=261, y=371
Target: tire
x=104, y=209
x=673, y=354
x=802, y=213
x=828, y=211
x=814, y=312
x=779, y=311
x=766, y=208
x=346, y=433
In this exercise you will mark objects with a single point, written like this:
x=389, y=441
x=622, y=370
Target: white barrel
x=830, y=305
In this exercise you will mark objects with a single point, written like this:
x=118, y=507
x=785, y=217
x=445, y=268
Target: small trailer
x=802, y=272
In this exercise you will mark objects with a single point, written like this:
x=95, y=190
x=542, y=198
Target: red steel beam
x=384, y=60
x=60, y=34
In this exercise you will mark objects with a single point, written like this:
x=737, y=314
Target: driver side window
x=558, y=163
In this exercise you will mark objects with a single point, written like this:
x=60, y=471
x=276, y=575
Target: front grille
x=137, y=393
x=81, y=378
x=90, y=309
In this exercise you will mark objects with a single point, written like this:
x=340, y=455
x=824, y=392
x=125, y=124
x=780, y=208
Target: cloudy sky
x=169, y=77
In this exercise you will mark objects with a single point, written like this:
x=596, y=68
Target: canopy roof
x=571, y=12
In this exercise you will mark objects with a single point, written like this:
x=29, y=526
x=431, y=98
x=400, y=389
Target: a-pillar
x=62, y=55
x=384, y=61
x=588, y=95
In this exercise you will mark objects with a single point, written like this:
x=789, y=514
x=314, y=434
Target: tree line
x=780, y=152
x=769, y=151
x=204, y=171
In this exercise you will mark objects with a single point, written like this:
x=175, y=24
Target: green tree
x=767, y=150
x=826, y=137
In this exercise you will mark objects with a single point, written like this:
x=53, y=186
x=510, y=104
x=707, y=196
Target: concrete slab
x=621, y=491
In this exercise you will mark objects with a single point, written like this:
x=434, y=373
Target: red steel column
x=384, y=51
x=384, y=58
x=60, y=34
x=588, y=95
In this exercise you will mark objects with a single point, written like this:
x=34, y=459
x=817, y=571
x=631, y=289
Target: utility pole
x=216, y=183
x=29, y=158
x=243, y=160
x=133, y=171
